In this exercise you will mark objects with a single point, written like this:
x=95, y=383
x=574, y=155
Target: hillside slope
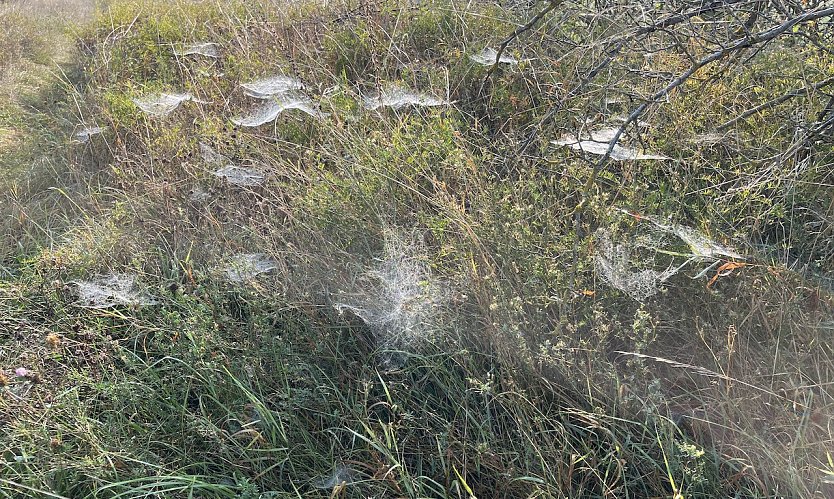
x=252, y=249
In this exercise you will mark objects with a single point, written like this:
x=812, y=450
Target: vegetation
x=448, y=304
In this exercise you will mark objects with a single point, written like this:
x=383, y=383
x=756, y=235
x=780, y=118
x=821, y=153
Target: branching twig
x=672, y=20
x=775, y=102
x=518, y=32
x=617, y=45
x=750, y=41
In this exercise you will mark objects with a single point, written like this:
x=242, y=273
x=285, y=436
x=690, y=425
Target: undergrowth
x=430, y=320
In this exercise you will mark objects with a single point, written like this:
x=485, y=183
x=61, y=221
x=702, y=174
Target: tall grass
x=525, y=376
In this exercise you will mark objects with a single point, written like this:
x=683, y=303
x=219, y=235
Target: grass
x=275, y=402
x=435, y=325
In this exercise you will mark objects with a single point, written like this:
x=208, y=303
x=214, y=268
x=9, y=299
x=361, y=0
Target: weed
x=400, y=297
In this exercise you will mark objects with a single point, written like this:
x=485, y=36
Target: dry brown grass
x=744, y=367
x=68, y=10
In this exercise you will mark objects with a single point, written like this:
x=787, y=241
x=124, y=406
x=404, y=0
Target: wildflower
x=22, y=372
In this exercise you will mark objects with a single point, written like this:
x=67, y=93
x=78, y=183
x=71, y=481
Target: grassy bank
x=438, y=300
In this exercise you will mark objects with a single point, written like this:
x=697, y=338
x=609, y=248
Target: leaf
x=462, y=481
x=724, y=270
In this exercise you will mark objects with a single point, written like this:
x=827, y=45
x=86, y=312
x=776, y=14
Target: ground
x=442, y=300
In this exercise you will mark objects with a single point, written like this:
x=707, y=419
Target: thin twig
x=617, y=45
x=775, y=102
x=518, y=32
x=746, y=42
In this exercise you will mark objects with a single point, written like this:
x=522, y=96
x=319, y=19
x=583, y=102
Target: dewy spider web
x=111, y=291
x=398, y=298
x=631, y=264
x=615, y=264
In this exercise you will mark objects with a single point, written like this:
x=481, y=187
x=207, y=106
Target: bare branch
x=775, y=102
x=515, y=34
x=746, y=42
